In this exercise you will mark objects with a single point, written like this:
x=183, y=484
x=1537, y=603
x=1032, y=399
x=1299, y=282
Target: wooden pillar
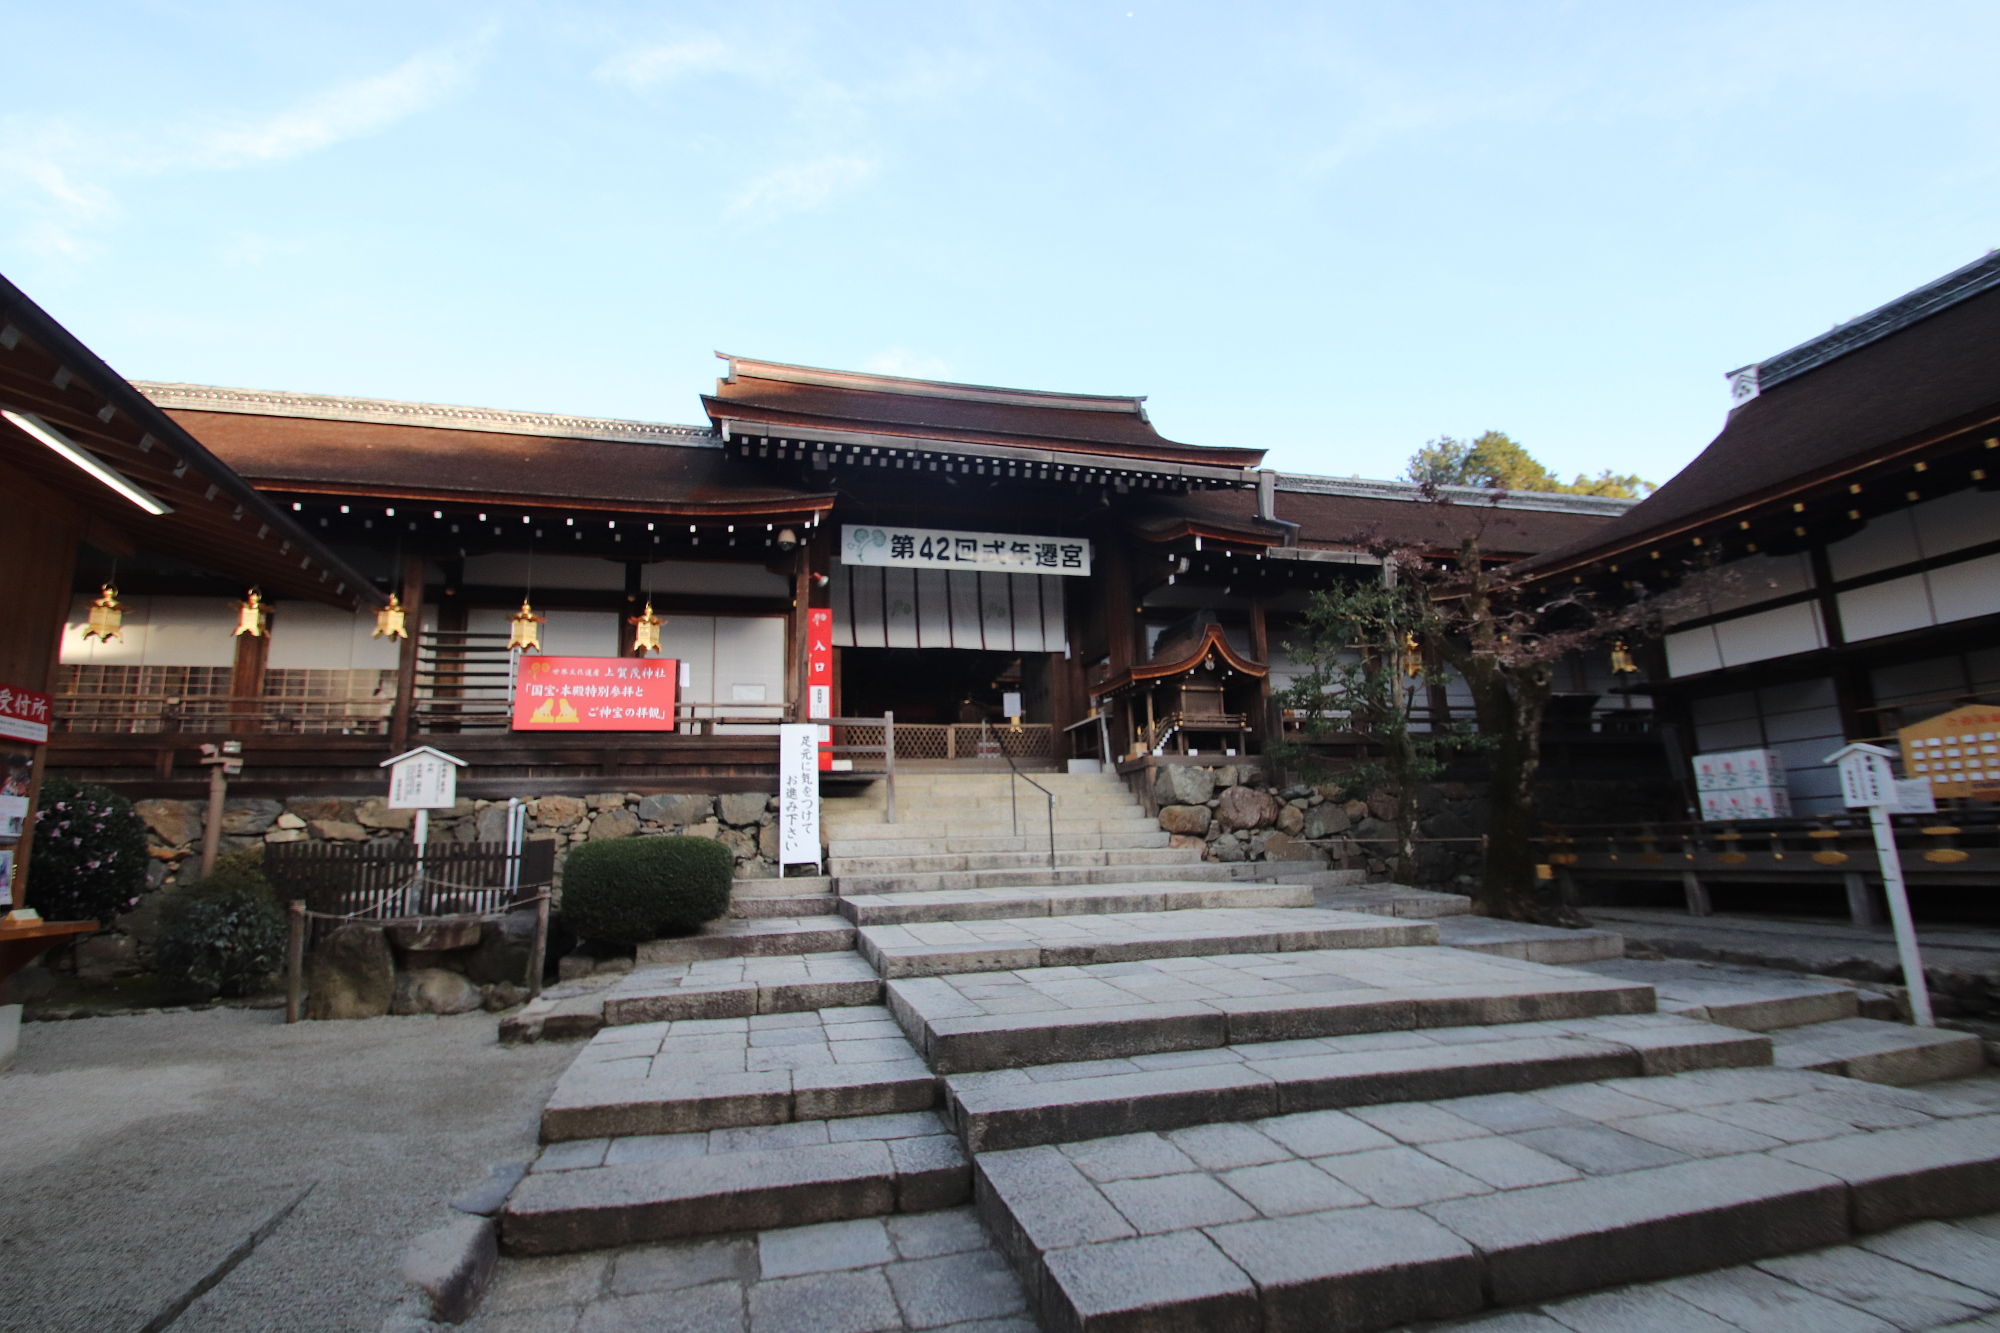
x=401, y=721
x=1260, y=648
x=38, y=550
x=1119, y=606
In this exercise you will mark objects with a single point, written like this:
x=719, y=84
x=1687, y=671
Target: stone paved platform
x=994, y=1020
x=1426, y=1210
x=873, y=909
x=698, y=1074
x=1532, y=943
x=741, y=986
x=934, y=947
x=1746, y=997
x=1878, y=1051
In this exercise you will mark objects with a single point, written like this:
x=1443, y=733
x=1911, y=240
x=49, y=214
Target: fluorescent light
x=83, y=458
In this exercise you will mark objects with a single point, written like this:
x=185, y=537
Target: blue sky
x=1331, y=230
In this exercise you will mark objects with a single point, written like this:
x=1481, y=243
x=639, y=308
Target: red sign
x=24, y=715
x=819, y=677
x=595, y=694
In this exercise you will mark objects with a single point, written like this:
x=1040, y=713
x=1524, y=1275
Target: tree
x=1360, y=673
x=1497, y=462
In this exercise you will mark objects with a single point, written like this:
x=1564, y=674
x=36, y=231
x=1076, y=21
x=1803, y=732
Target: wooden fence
x=384, y=881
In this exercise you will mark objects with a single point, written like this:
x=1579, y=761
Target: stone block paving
x=917, y=1271
x=1928, y=1275
x=925, y=948
x=704, y=1073
x=1427, y=1210
x=740, y=986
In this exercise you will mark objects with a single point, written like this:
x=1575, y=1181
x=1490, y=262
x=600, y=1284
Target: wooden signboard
x=1957, y=752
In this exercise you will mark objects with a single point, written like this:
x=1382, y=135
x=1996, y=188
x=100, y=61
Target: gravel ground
x=142, y=1151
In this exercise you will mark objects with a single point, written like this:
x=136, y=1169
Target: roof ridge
x=396, y=412
x=826, y=377
x=1562, y=502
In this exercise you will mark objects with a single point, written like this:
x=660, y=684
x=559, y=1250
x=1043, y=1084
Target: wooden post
x=1698, y=903
x=540, y=948
x=246, y=677
x=1860, y=905
x=295, y=956
x=400, y=721
x=211, y=832
x=889, y=758
x=1260, y=648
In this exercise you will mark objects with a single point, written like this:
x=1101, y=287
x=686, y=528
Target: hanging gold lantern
x=251, y=616
x=107, y=617
x=389, y=620
x=646, y=631
x=527, y=630
x=1621, y=659
x=1413, y=656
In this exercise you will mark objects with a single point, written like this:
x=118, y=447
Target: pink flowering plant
x=89, y=858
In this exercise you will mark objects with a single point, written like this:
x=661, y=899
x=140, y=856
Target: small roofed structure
x=1196, y=692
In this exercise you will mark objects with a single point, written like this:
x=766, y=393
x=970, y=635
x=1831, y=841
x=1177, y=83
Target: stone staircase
x=1182, y=1100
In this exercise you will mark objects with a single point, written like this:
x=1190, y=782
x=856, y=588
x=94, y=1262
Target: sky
x=1334, y=231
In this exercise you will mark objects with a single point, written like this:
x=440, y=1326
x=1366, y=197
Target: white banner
x=798, y=794
x=939, y=548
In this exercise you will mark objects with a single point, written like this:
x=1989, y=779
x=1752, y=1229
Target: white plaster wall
x=307, y=636
x=158, y=631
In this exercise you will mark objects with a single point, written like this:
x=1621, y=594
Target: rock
x=284, y=835
x=1228, y=849
x=1246, y=808
x=502, y=953
x=676, y=809
x=352, y=975
x=249, y=816
x=558, y=811
x=102, y=957
x=288, y=820
x=176, y=823
x=741, y=807
x=1356, y=810
x=1291, y=820
x=1185, y=819
x=1185, y=840
x=605, y=800
x=437, y=934
x=1330, y=791
x=1182, y=784
x=1225, y=776
x=618, y=823
x=375, y=813
x=767, y=841
x=503, y=995
x=572, y=966
x=432, y=990
x=319, y=807
x=491, y=825
x=1371, y=829
x=707, y=828
x=1384, y=805
x=1328, y=820
x=741, y=845
x=757, y=869
x=1296, y=792
x=1284, y=847
x=338, y=830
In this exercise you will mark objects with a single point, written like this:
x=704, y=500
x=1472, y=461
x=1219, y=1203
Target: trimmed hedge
x=226, y=934
x=89, y=858
x=632, y=890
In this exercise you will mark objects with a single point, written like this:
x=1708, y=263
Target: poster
x=24, y=714
x=16, y=786
x=798, y=794
x=595, y=694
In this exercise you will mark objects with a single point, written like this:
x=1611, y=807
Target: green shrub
x=89, y=858
x=635, y=889
x=226, y=934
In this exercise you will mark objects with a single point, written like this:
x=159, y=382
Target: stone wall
x=1230, y=813
x=745, y=822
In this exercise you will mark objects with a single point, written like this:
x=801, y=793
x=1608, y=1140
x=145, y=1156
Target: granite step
x=951, y=841
x=1755, y=998
x=732, y=937
x=934, y=948
x=1348, y=891
x=998, y=1020
x=1058, y=1103
x=1528, y=942
x=936, y=881
x=816, y=905
x=1878, y=1051
x=715, y=1073
x=1394, y=1214
x=740, y=986
x=892, y=909
x=844, y=867
x=600, y=1193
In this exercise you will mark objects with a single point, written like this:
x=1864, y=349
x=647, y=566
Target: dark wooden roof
x=1180, y=657
x=218, y=520
x=448, y=464
x=796, y=400
x=1913, y=385
x=1333, y=521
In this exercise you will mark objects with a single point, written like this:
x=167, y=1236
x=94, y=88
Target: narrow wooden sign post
x=1867, y=782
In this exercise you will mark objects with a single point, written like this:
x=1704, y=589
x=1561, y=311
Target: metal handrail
x=1013, y=801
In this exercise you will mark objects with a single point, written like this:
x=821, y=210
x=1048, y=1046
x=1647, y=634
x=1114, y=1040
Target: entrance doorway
x=933, y=685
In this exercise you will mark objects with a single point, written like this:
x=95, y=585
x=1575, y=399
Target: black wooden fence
x=383, y=881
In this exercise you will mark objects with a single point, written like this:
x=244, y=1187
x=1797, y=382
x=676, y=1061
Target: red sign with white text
x=24, y=715
x=819, y=677
x=595, y=694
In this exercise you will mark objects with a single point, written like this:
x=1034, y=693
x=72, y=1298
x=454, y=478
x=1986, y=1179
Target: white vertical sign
x=1866, y=780
x=798, y=794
